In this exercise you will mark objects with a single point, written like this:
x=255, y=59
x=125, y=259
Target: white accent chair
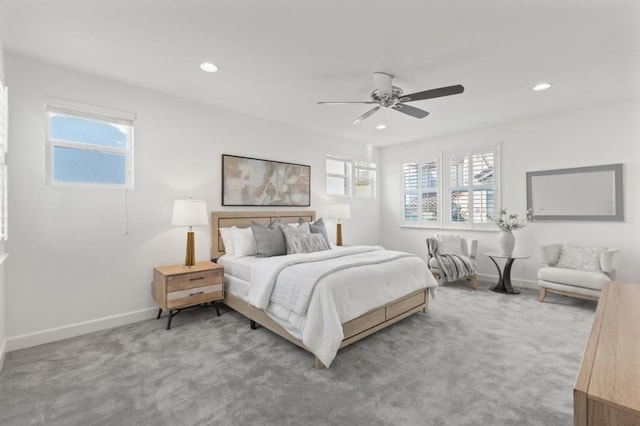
x=453, y=244
x=576, y=270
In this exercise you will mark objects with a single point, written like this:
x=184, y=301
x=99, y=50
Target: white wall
x=600, y=135
x=73, y=269
x=3, y=257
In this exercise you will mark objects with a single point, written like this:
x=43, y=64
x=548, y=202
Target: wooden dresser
x=607, y=390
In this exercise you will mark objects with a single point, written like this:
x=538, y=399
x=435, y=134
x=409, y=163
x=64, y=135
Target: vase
x=506, y=241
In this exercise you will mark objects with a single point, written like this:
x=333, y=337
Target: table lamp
x=340, y=212
x=189, y=213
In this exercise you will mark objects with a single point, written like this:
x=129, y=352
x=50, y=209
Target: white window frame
x=448, y=223
x=419, y=190
x=444, y=189
x=76, y=109
x=368, y=166
x=347, y=175
x=4, y=144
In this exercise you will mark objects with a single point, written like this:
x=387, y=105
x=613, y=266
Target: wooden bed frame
x=354, y=330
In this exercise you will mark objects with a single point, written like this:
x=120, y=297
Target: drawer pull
x=196, y=279
x=195, y=294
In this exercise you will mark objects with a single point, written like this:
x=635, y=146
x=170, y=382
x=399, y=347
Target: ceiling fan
x=389, y=96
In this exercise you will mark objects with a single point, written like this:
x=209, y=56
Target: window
x=459, y=191
x=471, y=188
x=346, y=178
x=4, y=105
x=421, y=189
x=338, y=176
x=89, y=146
x=364, y=181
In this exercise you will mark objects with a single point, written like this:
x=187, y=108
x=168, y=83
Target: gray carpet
x=477, y=358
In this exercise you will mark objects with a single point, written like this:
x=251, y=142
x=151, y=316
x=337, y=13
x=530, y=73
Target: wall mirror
x=582, y=193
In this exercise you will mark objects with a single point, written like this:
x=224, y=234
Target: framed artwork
x=254, y=182
x=580, y=193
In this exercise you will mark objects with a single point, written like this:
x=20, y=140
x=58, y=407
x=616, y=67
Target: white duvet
x=338, y=297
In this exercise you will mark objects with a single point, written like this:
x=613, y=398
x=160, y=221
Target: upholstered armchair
x=454, y=254
x=577, y=270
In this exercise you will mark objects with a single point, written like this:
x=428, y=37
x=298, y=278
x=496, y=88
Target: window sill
x=447, y=228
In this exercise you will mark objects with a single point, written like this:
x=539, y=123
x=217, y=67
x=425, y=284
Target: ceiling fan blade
x=383, y=82
x=365, y=115
x=433, y=93
x=409, y=110
x=346, y=102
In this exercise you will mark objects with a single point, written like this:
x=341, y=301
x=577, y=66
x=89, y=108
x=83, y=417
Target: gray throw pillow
x=289, y=233
x=299, y=242
x=318, y=227
x=269, y=239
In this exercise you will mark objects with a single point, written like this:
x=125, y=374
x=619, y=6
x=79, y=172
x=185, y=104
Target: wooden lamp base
x=190, y=259
x=339, y=234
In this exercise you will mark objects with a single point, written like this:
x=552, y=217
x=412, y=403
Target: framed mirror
x=581, y=193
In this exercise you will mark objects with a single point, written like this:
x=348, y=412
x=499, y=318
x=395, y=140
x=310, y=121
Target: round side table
x=504, y=275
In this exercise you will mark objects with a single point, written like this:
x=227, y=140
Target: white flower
x=509, y=221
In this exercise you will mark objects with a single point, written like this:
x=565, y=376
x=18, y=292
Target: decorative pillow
x=449, y=244
x=269, y=239
x=243, y=242
x=305, y=243
x=318, y=227
x=227, y=239
x=288, y=231
x=584, y=257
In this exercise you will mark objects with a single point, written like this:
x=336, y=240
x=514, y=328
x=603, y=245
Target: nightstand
x=178, y=287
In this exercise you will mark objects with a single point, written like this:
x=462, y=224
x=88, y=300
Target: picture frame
x=581, y=193
x=248, y=181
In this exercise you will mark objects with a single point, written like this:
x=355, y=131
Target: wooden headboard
x=243, y=219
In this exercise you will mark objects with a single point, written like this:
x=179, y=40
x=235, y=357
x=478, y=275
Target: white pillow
x=243, y=242
x=449, y=244
x=583, y=257
x=227, y=239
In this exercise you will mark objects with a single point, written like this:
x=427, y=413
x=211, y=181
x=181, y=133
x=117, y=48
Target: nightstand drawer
x=194, y=296
x=180, y=282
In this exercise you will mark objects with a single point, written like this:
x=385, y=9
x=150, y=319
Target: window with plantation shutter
x=420, y=192
x=456, y=190
x=472, y=186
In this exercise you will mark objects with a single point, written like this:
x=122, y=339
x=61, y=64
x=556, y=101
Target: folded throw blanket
x=453, y=266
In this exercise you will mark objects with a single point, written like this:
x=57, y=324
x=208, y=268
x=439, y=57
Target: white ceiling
x=278, y=57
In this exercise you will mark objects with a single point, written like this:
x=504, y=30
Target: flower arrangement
x=509, y=221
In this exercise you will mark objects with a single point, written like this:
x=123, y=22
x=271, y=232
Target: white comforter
x=338, y=297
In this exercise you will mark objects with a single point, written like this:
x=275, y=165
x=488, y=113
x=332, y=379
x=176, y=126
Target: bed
x=379, y=287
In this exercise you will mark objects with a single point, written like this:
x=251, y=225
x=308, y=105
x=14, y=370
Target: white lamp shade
x=339, y=211
x=189, y=213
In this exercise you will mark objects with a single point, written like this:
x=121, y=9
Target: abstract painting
x=254, y=182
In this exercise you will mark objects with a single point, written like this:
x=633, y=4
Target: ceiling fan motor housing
x=384, y=100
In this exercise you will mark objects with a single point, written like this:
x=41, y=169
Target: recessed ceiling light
x=208, y=67
x=541, y=86
x=381, y=127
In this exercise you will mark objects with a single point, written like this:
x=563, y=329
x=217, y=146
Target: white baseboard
x=515, y=282
x=59, y=333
